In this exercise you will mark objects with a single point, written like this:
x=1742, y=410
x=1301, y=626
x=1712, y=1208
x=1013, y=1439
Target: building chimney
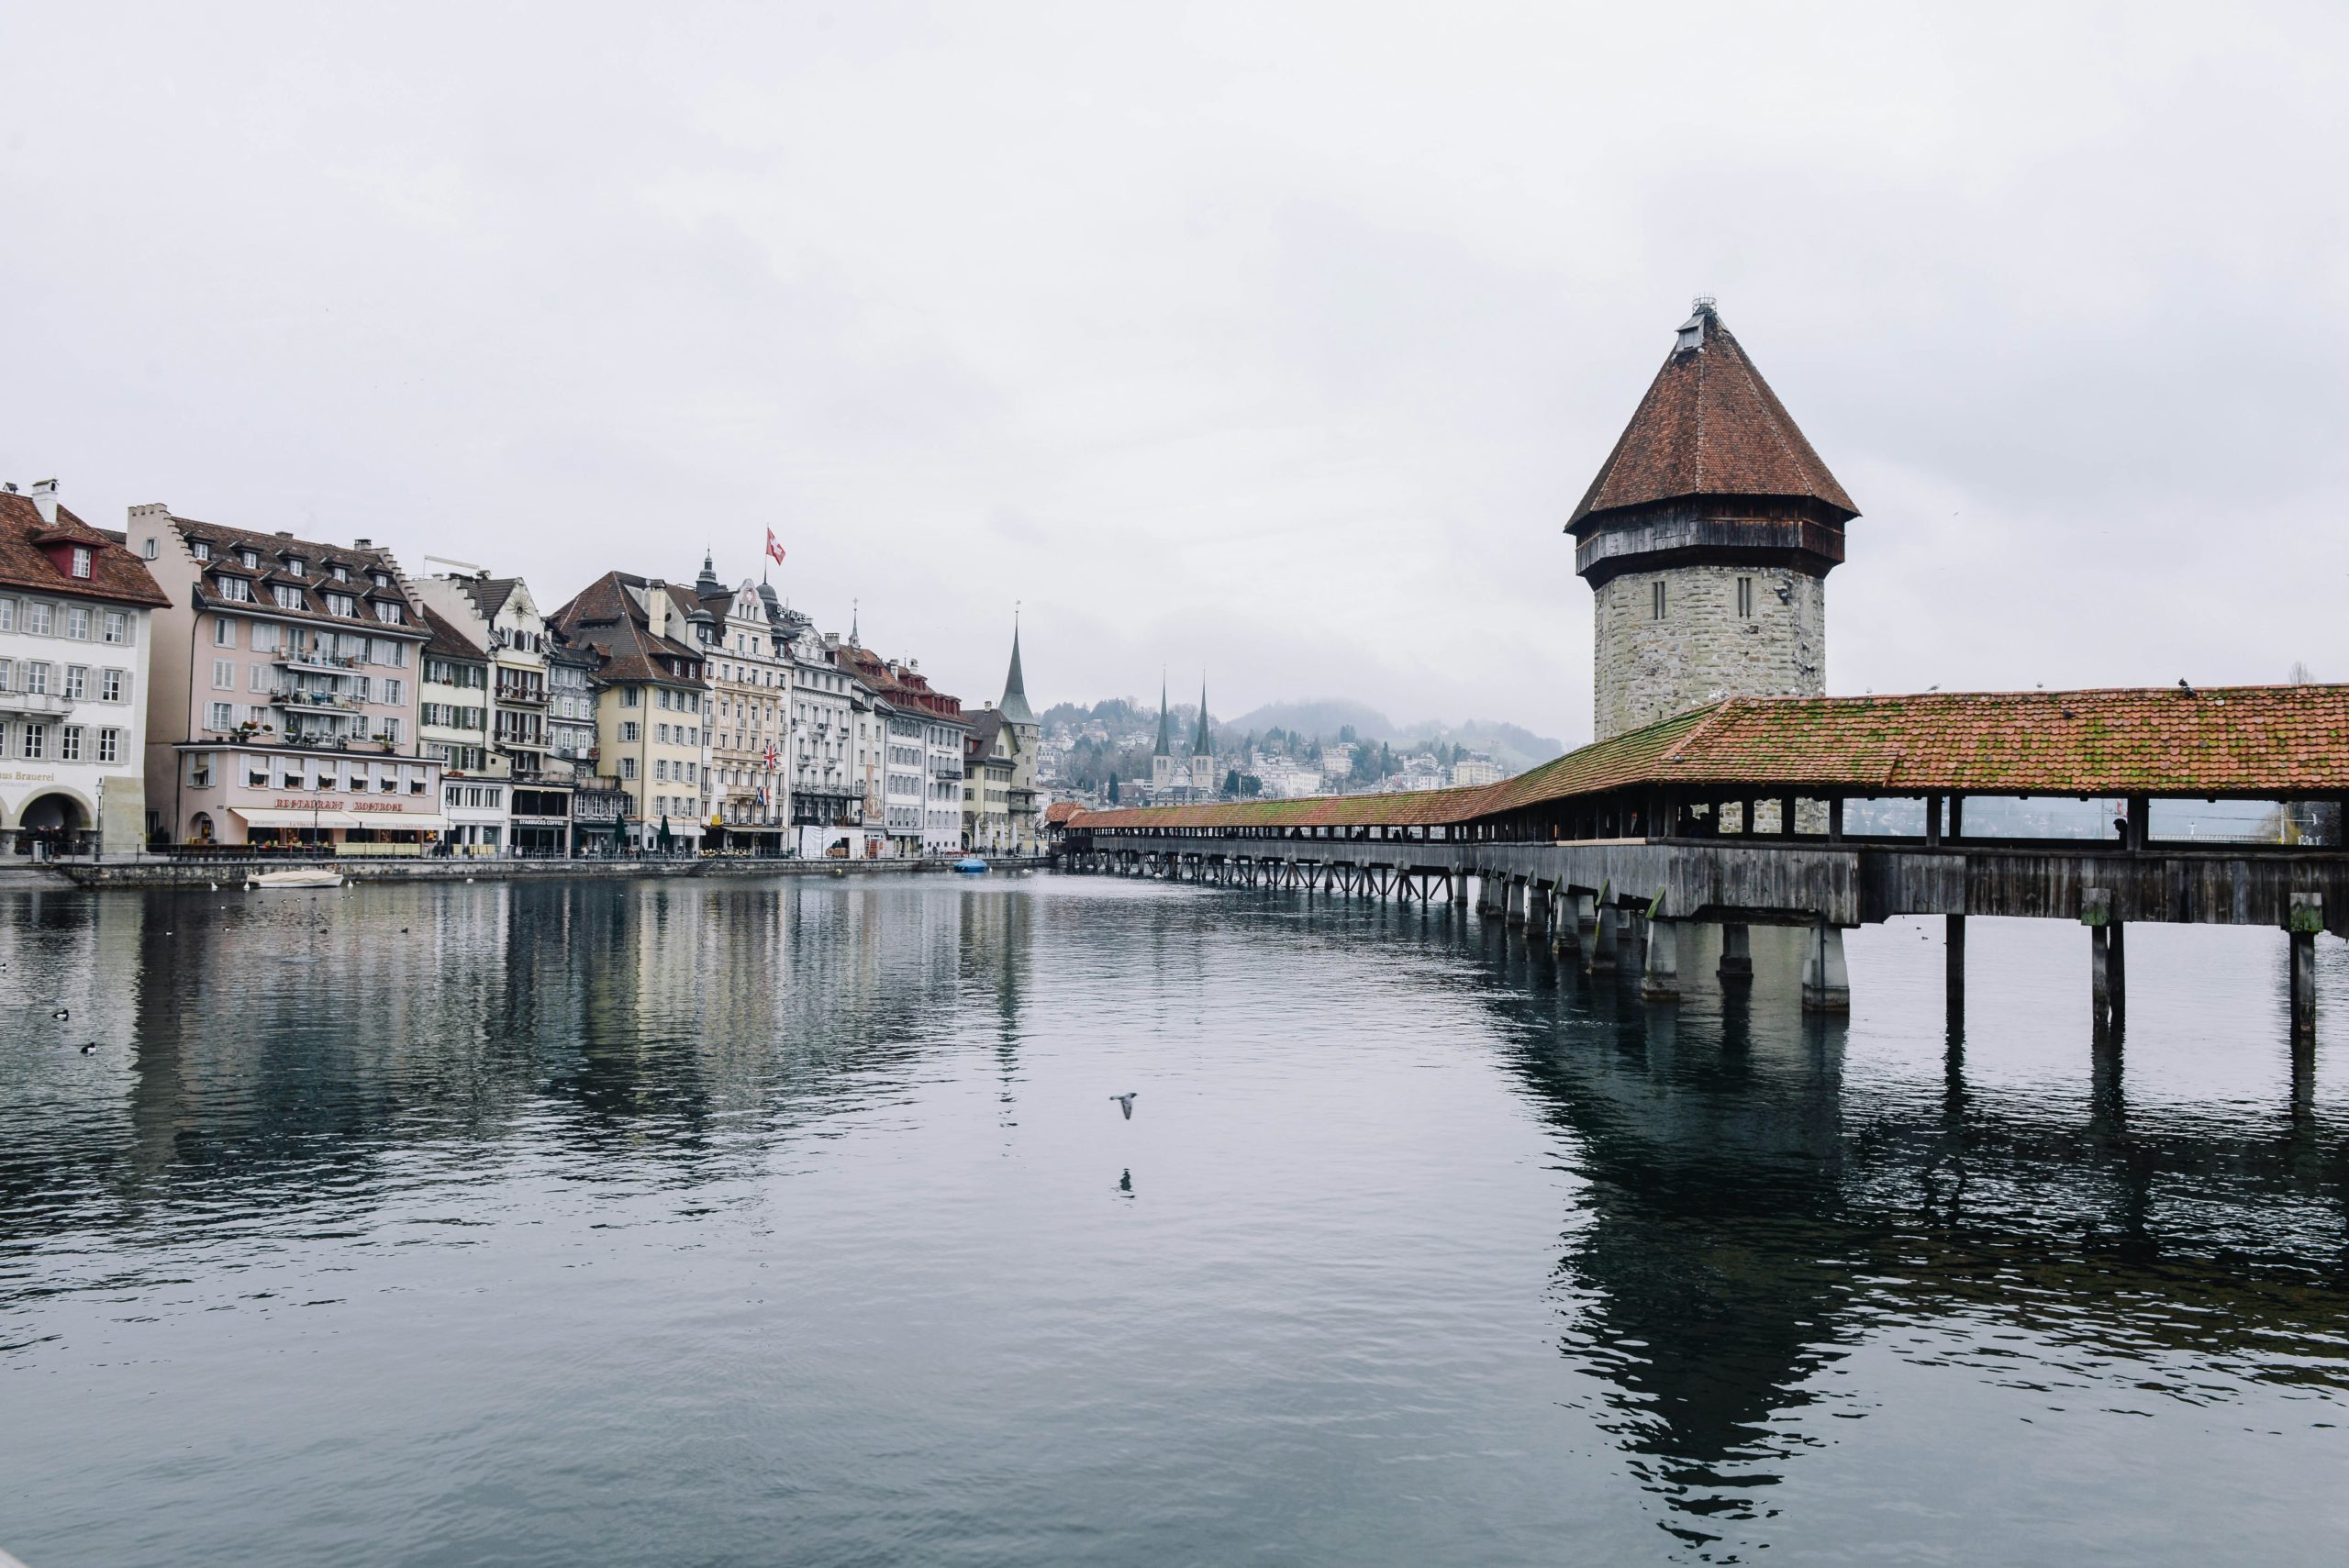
x=45, y=498
x=362, y=544
x=656, y=608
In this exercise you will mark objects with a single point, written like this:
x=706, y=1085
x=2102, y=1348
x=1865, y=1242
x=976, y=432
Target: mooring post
x=1660, y=980
x=1954, y=957
x=1737, y=953
x=2307, y=918
x=1826, y=983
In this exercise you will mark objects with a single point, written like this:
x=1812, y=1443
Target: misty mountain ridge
x=1322, y=719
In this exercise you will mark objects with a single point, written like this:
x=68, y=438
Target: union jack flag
x=771, y=759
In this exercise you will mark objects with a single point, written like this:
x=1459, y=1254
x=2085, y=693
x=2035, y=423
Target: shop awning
x=259, y=817
x=382, y=821
x=400, y=821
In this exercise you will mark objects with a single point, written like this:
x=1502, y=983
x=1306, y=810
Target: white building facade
x=76, y=609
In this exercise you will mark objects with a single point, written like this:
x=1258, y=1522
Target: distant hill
x=1321, y=717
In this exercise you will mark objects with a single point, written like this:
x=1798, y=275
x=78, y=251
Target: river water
x=792, y=1222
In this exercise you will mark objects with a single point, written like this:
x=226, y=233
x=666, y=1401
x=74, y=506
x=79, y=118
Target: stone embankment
x=184, y=874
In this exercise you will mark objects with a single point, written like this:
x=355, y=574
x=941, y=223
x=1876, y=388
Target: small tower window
x=1655, y=611
x=1745, y=598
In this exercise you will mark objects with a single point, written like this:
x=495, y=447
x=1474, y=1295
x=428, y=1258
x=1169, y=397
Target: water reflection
x=1736, y=1207
x=1748, y=1219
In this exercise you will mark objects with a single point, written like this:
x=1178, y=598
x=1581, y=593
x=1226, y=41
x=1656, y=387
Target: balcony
x=310, y=659
x=313, y=702
x=36, y=704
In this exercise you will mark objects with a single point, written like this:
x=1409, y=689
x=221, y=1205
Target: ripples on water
x=755, y=1222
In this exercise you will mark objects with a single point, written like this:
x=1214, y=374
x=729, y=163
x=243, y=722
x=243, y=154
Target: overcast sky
x=1276, y=342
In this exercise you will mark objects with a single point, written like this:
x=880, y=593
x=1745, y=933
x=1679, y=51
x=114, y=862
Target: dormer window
x=81, y=560
x=288, y=596
x=342, y=574
x=341, y=605
x=294, y=565
x=235, y=588
x=380, y=580
x=203, y=551
x=250, y=559
x=389, y=614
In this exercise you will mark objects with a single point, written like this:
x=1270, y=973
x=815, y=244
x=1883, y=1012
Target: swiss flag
x=773, y=548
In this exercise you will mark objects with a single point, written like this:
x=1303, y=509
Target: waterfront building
x=990, y=767
x=747, y=794
x=918, y=740
x=75, y=608
x=499, y=614
x=1707, y=537
x=452, y=729
x=826, y=801
x=652, y=701
x=285, y=694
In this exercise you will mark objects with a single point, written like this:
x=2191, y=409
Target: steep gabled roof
x=448, y=642
x=610, y=616
x=488, y=593
x=1710, y=426
x=115, y=573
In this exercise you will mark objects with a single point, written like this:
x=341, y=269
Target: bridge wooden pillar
x=2108, y=966
x=1660, y=977
x=1537, y=910
x=1599, y=953
x=1565, y=923
x=1737, y=954
x=1516, y=895
x=2307, y=918
x=1954, y=962
x=1826, y=982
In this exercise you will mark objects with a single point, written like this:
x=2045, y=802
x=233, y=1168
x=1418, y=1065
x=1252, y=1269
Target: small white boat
x=298, y=877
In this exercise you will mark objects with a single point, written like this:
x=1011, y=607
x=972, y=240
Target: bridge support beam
x=1660, y=980
x=1537, y=911
x=1565, y=922
x=1737, y=954
x=1826, y=983
x=2107, y=967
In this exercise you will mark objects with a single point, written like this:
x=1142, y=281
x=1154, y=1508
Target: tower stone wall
x=1702, y=650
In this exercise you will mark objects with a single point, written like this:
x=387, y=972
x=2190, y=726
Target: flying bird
x=1126, y=1104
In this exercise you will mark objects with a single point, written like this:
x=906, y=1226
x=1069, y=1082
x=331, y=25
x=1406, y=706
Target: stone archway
x=52, y=824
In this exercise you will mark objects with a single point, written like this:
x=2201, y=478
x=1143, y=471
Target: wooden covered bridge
x=1828, y=813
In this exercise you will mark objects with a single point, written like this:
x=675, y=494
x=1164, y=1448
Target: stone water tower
x=1707, y=539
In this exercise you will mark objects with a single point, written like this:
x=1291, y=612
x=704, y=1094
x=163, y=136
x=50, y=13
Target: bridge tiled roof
x=1710, y=426
x=2262, y=741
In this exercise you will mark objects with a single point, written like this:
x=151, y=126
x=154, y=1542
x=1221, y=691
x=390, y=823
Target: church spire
x=1203, y=743
x=1165, y=725
x=1015, y=687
